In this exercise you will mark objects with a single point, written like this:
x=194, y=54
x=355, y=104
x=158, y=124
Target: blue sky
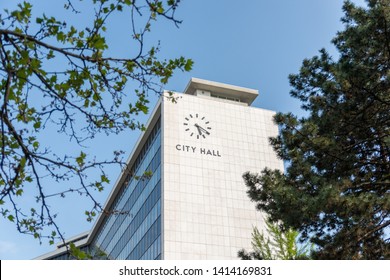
x=249, y=43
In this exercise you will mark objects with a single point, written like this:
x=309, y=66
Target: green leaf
x=36, y=145
x=104, y=179
x=22, y=162
x=37, y=125
x=188, y=65
x=61, y=36
x=130, y=65
x=51, y=55
x=19, y=192
x=77, y=253
x=99, y=43
x=141, y=107
x=80, y=159
x=96, y=97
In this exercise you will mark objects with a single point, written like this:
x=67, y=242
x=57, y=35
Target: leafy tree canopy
x=60, y=75
x=336, y=186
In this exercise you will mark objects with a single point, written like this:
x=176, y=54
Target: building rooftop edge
x=245, y=95
x=78, y=240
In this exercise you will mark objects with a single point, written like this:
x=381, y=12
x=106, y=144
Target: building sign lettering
x=202, y=151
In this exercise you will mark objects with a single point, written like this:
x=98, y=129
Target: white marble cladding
x=206, y=211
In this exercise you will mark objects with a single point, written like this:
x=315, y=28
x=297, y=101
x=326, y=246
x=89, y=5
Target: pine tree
x=336, y=186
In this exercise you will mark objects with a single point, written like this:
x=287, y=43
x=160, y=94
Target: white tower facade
x=210, y=137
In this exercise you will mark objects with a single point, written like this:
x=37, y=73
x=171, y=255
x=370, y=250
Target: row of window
x=124, y=193
x=153, y=144
x=154, y=251
x=153, y=135
x=122, y=240
x=137, y=198
x=121, y=223
x=140, y=233
x=153, y=233
x=225, y=97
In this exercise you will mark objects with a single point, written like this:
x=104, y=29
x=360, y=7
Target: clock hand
x=204, y=130
x=198, y=127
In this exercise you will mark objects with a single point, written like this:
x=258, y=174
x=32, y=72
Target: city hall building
x=192, y=204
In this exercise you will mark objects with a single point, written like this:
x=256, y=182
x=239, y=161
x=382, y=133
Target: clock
x=197, y=126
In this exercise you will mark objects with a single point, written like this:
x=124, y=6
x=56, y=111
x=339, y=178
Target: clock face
x=197, y=126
